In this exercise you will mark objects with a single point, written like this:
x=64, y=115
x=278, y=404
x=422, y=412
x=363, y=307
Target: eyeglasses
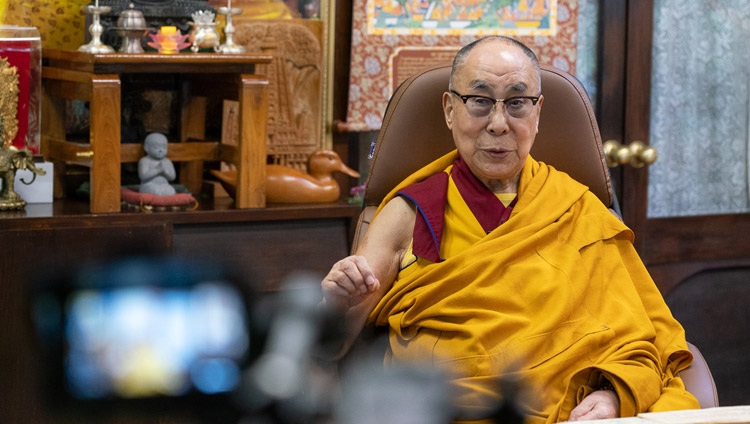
x=481, y=106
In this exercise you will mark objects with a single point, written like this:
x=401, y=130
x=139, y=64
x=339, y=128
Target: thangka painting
x=393, y=39
x=414, y=17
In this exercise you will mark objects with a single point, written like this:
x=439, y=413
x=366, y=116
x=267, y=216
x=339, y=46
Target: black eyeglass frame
x=465, y=98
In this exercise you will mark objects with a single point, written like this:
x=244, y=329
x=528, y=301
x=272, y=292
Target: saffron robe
x=555, y=298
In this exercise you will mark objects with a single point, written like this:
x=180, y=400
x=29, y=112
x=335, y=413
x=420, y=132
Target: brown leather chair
x=414, y=133
x=699, y=381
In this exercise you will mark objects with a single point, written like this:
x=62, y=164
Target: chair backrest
x=414, y=134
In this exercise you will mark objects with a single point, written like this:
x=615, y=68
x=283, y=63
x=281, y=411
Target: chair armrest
x=699, y=381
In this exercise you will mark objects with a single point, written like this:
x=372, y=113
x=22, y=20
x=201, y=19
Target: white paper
x=720, y=415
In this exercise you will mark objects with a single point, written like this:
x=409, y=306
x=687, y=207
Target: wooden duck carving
x=285, y=184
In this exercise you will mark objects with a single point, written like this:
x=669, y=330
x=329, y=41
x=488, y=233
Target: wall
x=61, y=23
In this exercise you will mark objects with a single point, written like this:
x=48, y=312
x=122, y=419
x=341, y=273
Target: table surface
x=220, y=210
x=101, y=63
x=720, y=415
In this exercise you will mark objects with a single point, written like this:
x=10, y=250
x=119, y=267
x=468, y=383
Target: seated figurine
x=155, y=170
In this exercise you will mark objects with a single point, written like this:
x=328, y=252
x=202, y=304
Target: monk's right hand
x=349, y=282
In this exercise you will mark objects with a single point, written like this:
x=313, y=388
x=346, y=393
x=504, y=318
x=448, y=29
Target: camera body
x=142, y=332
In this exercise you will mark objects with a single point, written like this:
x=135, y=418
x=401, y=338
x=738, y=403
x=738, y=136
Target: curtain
x=700, y=108
x=588, y=38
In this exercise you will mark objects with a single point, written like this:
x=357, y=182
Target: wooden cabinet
x=264, y=246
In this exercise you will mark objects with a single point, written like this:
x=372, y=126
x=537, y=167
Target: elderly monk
x=488, y=264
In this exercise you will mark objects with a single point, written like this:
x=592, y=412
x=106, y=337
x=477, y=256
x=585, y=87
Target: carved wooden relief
x=296, y=81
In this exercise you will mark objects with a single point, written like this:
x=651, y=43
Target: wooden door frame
x=637, y=109
x=623, y=108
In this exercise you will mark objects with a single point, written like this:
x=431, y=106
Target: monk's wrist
x=605, y=385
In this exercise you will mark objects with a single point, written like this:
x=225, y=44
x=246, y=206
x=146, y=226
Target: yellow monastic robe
x=555, y=298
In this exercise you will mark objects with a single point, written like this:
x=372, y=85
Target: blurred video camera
x=142, y=332
x=168, y=339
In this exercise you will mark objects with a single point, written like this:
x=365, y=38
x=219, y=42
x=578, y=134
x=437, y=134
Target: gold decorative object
x=8, y=102
x=96, y=29
x=11, y=160
x=637, y=154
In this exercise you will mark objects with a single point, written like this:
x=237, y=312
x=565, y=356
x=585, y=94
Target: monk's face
x=494, y=141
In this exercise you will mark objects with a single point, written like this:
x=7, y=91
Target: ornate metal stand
x=229, y=46
x=96, y=30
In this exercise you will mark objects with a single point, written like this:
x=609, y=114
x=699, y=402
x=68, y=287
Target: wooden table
x=739, y=414
x=96, y=78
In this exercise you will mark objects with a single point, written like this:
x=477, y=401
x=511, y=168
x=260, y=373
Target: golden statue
x=8, y=102
x=11, y=158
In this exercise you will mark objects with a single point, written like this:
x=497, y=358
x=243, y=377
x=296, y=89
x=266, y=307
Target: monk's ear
x=448, y=109
x=539, y=111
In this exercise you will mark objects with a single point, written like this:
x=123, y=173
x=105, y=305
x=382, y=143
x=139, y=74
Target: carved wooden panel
x=296, y=84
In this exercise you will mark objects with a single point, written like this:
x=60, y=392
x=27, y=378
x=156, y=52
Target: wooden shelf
x=213, y=211
x=97, y=78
